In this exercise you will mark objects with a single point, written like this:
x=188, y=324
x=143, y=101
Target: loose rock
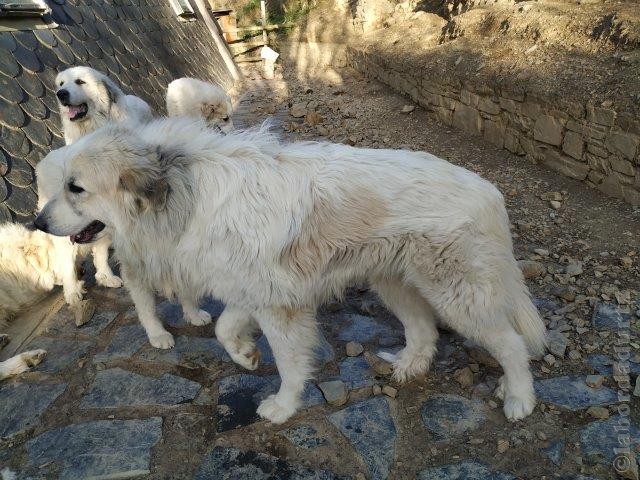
x=594, y=381
x=464, y=377
x=531, y=268
x=601, y=413
x=556, y=343
x=354, y=349
x=389, y=391
x=334, y=392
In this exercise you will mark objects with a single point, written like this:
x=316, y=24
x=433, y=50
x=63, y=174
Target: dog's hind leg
x=234, y=331
x=21, y=363
x=292, y=335
x=104, y=275
x=193, y=314
x=145, y=307
x=420, y=328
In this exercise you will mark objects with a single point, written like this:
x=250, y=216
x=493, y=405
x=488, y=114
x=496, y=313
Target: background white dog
x=188, y=97
x=87, y=99
x=273, y=229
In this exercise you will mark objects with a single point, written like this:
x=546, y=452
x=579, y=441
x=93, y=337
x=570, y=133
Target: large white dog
x=88, y=99
x=189, y=97
x=273, y=229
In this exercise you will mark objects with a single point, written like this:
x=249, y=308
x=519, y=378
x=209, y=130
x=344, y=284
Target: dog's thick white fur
x=29, y=267
x=88, y=99
x=189, y=97
x=273, y=229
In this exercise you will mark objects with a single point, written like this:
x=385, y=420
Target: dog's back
x=189, y=97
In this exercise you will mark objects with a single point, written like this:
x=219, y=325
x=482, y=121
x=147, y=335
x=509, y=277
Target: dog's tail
x=527, y=322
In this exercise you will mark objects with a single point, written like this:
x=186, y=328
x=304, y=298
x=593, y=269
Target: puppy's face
x=106, y=179
x=83, y=91
x=218, y=115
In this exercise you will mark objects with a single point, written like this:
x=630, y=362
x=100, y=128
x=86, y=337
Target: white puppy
x=272, y=229
x=188, y=97
x=28, y=271
x=87, y=99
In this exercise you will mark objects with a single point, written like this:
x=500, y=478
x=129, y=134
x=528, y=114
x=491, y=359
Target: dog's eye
x=73, y=188
x=225, y=119
x=80, y=82
x=61, y=83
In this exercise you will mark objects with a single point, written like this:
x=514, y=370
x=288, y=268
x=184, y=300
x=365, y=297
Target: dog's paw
x=33, y=357
x=4, y=340
x=108, y=280
x=270, y=409
x=517, y=408
x=73, y=295
x=250, y=360
x=198, y=318
x=163, y=340
x=407, y=366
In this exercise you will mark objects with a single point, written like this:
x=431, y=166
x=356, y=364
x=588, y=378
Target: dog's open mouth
x=88, y=233
x=76, y=112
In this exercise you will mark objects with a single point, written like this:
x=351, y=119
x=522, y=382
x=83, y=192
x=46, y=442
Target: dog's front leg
x=144, y=302
x=292, y=335
x=104, y=274
x=234, y=331
x=65, y=267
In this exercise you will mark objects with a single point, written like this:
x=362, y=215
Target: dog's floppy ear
x=147, y=186
x=208, y=110
x=112, y=91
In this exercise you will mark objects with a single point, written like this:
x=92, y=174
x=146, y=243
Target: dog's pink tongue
x=72, y=111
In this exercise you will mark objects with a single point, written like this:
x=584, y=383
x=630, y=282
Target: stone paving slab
x=224, y=463
x=21, y=404
x=127, y=340
x=304, y=436
x=598, y=440
x=362, y=329
x=61, y=354
x=555, y=452
x=467, y=470
x=370, y=428
x=64, y=322
x=448, y=416
x=356, y=373
x=100, y=449
x=608, y=316
x=189, y=351
x=240, y=395
x=572, y=392
x=603, y=364
x=115, y=388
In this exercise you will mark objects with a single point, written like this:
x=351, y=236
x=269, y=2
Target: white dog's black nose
x=63, y=95
x=41, y=224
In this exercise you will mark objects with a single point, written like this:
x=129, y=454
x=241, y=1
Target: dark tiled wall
x=139, y=43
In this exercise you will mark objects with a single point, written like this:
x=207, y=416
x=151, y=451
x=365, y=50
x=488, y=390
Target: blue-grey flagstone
x=189, y=351
x=323, y=352
x=572, y=392
x=598, y=440
x=119, y=388
x=61, y=354
x=64, y=322
x=240, y=395
x=21, y=404
x=370, y=428
x=127, y=340
x=100, y=449
x=608, y=316
x=356, y=373
x=304, y=436
x=224, y=463
x=603, y=364
x=466, y=470
x=364, y=329
x=555, y=452
x=447, y=416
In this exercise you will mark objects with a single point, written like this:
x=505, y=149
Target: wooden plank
x=258, y=28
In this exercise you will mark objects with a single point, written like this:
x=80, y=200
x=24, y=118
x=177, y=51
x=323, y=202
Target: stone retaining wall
x=594, y=144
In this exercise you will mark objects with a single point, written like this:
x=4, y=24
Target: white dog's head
x=107, y=177
x=84, y=92
x=217, y=113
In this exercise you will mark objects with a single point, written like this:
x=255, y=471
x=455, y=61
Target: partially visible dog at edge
x=189, y=97
x=274, y=229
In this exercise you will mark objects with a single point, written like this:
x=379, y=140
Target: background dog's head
x=217, y=113
x=84, y=92
x=107, y=177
